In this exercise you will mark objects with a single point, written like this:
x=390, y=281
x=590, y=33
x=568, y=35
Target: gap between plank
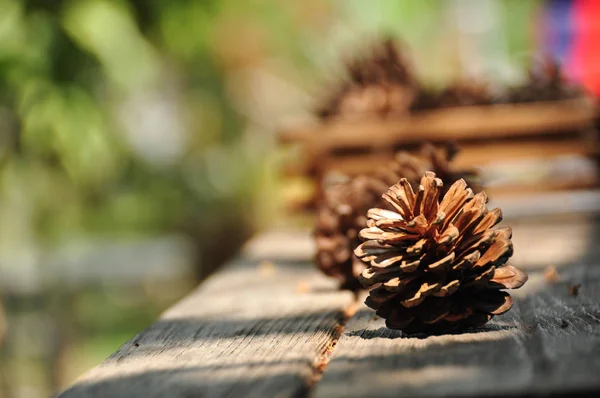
x=320, y=364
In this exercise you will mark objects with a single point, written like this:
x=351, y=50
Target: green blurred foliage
x=77, y=81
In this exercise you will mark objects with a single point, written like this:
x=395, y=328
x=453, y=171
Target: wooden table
x=269, y=325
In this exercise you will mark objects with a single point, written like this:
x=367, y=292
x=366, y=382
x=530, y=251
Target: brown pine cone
x=545, y=82
x=339, y=217
x=342, y=212
x=436, y=264
x=378, y=84
x=465, y=93
x=459, y=93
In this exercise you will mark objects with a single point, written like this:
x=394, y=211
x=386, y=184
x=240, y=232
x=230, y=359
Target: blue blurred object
x=558, y=32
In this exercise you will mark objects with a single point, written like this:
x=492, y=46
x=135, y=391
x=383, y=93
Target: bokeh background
x=138, y=143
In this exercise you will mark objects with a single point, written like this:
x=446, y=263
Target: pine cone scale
x=448, y=289
x=508, y=277
x=443, y=264
x=495, y=303
x=435, y=310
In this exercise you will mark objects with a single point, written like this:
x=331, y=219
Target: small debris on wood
x=349, y=311
x=321, y=363
x=302, y=287
x=551, y=275
x=574, y=289
x=564, y=324
x=266, y=268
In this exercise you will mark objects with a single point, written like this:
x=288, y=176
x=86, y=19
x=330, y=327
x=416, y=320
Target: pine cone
x=426, y=99
x=437, y=264
x=546, y=82
x=342, y=212
x=465, y=93
x=379, y=84
x=338, y=221
x=459, y=93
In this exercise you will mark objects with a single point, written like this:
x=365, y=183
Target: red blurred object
x=570, y=34
x=585, y=62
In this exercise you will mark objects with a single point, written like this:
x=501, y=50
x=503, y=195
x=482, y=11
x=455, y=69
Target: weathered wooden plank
x=548, y=344
x=255, y=329
x=470, y=155
x=263, y=329
x=506, y=120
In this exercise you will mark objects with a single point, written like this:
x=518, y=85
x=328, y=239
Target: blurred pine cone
x=546, y=82
x=342, y=212
x=436, y=264
x=465, y=93
x=459, y=93
x=378, y=84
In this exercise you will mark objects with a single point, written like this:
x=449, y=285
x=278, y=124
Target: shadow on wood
x=385, y=333
x=200, y=381
x=247, y=331
x=547, y=344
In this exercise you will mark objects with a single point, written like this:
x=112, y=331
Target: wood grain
x=548, y=344
x=256, y=329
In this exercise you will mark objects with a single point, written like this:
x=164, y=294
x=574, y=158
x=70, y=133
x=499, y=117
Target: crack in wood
x=258, y=337
x=320, y=365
